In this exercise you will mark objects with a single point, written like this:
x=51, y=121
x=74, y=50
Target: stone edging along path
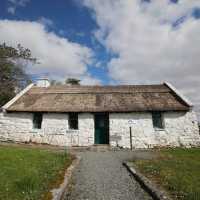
x=156, y=193
x=59, y=193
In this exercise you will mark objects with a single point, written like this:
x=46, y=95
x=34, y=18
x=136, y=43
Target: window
x=157, y=120
x=73, y=121
x=37, y=120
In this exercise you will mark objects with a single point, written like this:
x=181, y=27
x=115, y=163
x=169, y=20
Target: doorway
x=101, y=128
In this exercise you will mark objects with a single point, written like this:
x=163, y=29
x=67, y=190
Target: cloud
x=14, y=4
x=46, y=21
x=21, y=3
x=59, y=58
x=11, y=10
x=88, y=80
x=149, y=45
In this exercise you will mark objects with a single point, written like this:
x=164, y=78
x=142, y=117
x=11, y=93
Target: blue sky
x=67, y=18
x=109, y=41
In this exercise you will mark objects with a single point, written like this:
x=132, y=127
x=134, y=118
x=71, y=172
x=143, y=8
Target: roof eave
x=13, y=100
x=179, y=94
x=99, y=110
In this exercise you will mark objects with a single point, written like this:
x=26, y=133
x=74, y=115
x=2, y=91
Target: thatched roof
x=126, y=98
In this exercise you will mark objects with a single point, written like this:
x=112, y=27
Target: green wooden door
x=101, y=128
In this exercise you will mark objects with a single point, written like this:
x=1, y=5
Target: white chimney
x=43, y=82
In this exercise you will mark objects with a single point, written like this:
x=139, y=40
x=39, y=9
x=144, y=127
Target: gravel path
x=101, y=176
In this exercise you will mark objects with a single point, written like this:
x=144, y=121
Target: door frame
x=106, y=118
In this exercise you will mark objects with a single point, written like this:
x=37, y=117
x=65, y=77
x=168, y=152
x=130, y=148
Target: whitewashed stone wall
x=18, y=127
x=181, y=129
x=15, y=127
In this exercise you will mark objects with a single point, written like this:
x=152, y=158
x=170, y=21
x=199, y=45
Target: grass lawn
x=175, y=170
x=29, y=174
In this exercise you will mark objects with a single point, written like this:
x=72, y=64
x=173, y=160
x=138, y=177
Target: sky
x=106, y=42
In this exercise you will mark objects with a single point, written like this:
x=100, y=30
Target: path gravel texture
x=101, y=176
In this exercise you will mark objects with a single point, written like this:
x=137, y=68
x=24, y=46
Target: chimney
x=43, y=82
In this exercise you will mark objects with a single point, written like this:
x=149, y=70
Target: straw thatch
x=99, y=99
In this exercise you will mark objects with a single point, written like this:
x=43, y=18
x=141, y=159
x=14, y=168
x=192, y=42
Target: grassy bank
x=175, y=170
x=30, y=173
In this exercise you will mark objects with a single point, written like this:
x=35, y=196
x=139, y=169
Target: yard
x=30, y=174
x=175, y=170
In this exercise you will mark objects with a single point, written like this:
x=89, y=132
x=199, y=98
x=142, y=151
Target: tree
x=12, y=73
x=72, y=81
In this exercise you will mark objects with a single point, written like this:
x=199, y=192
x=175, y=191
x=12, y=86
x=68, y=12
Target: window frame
x=37, y=121
x=158, y=125
x=73, y=122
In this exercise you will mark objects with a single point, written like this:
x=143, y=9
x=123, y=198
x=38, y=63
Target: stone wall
x=181, y=129
x=15, y=127
x=18, y=127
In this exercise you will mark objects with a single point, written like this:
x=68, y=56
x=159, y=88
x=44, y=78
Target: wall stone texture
x=181, y=129
x=18, y=127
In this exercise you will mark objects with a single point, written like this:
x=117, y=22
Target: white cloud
x=14, y=4
x=46, y=21
x=58, y=57
x=88, y=80
x=148, y=48
x=11, y=10
x=21, y=3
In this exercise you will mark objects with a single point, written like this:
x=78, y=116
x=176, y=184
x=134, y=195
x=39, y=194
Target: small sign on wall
x=131, y=122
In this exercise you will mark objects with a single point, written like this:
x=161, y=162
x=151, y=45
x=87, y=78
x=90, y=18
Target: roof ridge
x=122, y=85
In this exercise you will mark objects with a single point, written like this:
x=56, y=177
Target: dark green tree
x=12, y=71
x=72, y=81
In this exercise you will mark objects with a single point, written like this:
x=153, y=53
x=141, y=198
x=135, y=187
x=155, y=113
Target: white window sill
x=72, y=130
x=35, y=130
x=159, y=129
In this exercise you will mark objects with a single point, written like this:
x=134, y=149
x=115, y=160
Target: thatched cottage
x=141, y=116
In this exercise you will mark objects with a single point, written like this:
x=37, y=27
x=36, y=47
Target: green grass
x=29, y=174
x=175, y=170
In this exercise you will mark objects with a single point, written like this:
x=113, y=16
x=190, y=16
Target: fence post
x=131, y=145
